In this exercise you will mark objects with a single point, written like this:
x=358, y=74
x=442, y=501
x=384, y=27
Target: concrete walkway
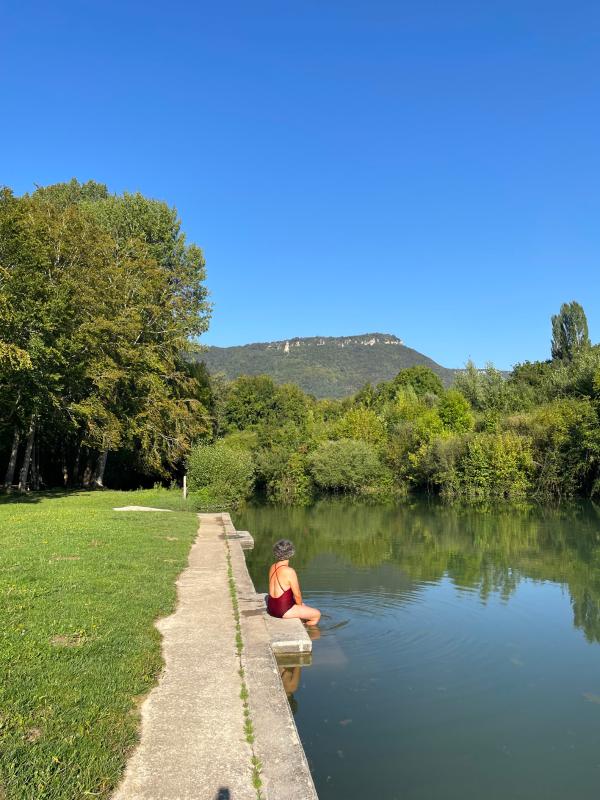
x=192, y=737
x=192, y=743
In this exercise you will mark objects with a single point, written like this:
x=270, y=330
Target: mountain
x=325, y=366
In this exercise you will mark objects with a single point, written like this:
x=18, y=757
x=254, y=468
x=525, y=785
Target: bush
x=345, y=465
x=455, y=412
x=480, y=466
x=220, y=475
x=241, y=440
x=564, y=434
x=494, y=466
x=289, y=484
x=361, y=423
x=409, y=438
x=437, y=466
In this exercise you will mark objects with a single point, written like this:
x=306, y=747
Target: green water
x=459, y=654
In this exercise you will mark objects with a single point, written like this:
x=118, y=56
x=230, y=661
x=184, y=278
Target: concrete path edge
x=192, y=745
x=285, y=771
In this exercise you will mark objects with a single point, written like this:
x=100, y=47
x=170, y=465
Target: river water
x=459, y=653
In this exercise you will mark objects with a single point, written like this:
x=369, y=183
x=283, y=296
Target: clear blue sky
x=429, y=169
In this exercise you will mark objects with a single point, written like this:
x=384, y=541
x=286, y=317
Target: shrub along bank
x=533, y=434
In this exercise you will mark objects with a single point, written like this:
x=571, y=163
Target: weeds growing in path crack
x=244, y=693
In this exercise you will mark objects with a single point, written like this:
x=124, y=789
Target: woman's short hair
x=283, y=549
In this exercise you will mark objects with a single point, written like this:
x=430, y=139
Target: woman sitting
x=285, y=597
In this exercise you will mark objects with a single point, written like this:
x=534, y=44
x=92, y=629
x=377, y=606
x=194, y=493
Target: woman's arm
x=295, y=586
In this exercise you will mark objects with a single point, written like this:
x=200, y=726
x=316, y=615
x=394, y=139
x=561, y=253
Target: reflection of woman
x=290, y=677
x=285, y=597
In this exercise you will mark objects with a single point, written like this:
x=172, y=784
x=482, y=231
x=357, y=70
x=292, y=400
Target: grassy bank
x=81, y=586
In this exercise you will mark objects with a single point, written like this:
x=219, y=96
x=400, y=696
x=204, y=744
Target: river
x=459, y=652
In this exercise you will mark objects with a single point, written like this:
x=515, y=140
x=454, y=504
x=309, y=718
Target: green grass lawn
x=80, y=587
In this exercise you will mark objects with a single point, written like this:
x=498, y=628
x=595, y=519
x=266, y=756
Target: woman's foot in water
x=310, y=616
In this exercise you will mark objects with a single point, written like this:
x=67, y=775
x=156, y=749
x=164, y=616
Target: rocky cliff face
x=367, y=339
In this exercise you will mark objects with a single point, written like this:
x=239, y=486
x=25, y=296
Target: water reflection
x=290, y=677
x=489, y=553
x=458, y=653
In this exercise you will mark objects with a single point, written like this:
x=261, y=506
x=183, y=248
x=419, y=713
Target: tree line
x=101, y=300
x=533, y=434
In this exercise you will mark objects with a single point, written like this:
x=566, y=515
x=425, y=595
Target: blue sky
x=429, y=169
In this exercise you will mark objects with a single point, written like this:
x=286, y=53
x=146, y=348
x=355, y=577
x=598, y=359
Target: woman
x=285, y=597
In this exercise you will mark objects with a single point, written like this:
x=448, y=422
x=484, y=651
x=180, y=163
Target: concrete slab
x=228, y=525
x=288, y=636
x=244, y=538
x=142, y=508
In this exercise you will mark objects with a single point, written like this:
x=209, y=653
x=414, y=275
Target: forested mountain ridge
x=324, y=366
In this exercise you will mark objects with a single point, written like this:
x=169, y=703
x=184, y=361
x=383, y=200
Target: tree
x=47, y=254
x=472, y=385
x=361, y=423
x=422, y=379
x=250, y=400
x=345, y=465
x=220, y=474
x=455, y=411
x=569, y=331
x=100, y=300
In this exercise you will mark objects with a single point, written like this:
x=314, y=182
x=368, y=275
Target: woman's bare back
x=280, y=579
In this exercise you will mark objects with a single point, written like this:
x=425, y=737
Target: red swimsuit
x=277, y=606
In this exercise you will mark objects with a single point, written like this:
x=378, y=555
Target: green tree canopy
x=569, y=331
x=100, y=299
x=421, y=379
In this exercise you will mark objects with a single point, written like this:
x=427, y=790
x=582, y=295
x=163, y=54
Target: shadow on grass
x=35, y=497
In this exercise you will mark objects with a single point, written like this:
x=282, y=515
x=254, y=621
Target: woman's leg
x=310, y=615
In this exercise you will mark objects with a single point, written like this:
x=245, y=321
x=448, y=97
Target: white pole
x=184, y=487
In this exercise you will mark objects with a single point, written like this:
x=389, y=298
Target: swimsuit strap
x=278, y=581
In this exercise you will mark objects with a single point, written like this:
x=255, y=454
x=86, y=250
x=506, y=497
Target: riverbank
x=218, y=725
x=83, y=585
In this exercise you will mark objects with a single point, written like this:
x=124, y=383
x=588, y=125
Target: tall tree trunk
x=32, y=467
x=12, y=463
x=98, y=479
x=87, y=473
x=76, y=465
x=35, y=467
x=27, y=457
x=65, y=469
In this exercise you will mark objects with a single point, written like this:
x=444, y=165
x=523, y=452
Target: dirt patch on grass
x=32, y=735
x=64, y=558
x=67, y=639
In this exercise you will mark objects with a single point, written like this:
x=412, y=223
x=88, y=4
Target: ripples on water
x=457, y=655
